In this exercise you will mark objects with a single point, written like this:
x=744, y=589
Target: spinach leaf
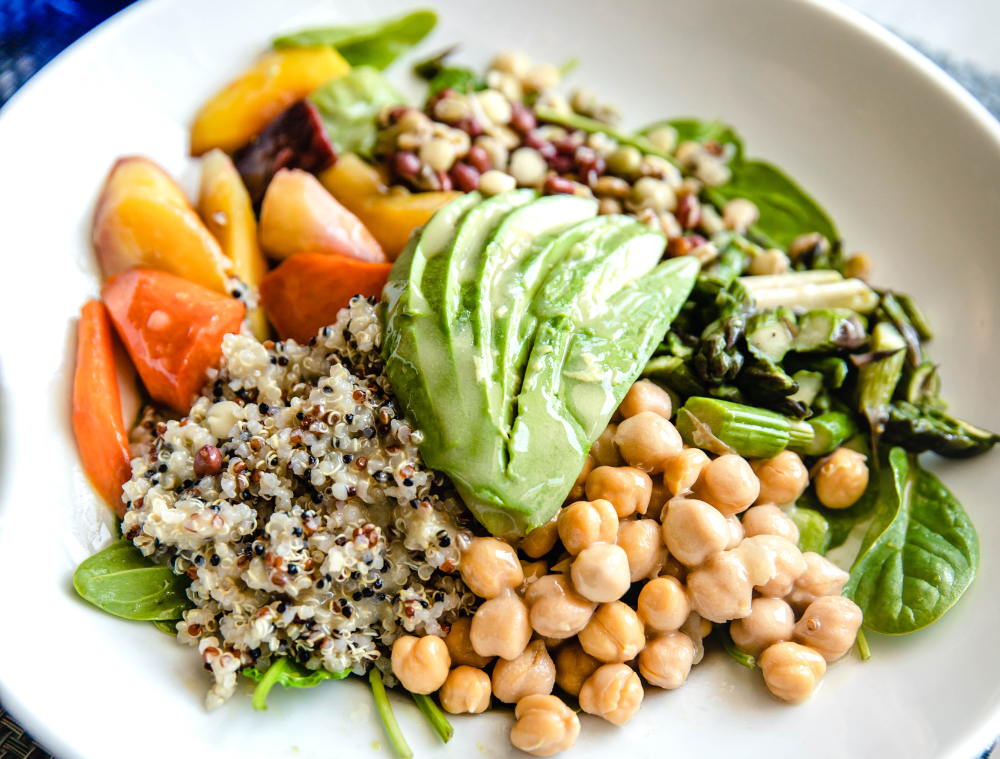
x=919, y=555
x=377, y=43
x=460, y=80
x=349, y=105
x=169, y=626
x=125, y=583
x=786, y=210
x=814, y=529
x=288, y=673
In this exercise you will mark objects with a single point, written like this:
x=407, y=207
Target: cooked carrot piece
x=172, y=329
x=304, y=294
x=97, y=411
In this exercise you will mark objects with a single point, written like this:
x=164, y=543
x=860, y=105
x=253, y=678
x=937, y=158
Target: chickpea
x=821, y=578
x=682, y=471
x=647, y=441
x=488, y=566
x=584, y=523
x=579, y=488
x=693, y=530
x=573, y=667
x=663, y=605
x=545, y=726
x=541, y=540
x=720, y=589
x=768, y=519
x=789, y=564
x=792, y=671
x=627, y=489
x=460, y=645
x=736, y=532
x=500, y=626
x=531, y=672
x=728, y=483
x=533, y=571
x=556, y=609
x=675, y=569
x=600, y=573
x=614, y=634
x=697, y=629
x=666, y=660
x=466, y=691
x=842, y=479
x=782, y=479
x=643, y=546
x=421, y=664
x=770, y=621
x=829, y=625
x=613, y=692
x=605, y=451
x=658, y=498
x=646, y=396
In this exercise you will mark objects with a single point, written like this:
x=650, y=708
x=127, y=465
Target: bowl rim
x=982, y=736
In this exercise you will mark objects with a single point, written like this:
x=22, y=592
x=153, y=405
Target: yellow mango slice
x=390, y=215
x=144, y=219
x=236, y=114
x=224, y=205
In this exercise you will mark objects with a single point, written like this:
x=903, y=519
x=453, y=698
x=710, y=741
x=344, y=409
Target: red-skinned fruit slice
x=172, y=329
x=97, y=411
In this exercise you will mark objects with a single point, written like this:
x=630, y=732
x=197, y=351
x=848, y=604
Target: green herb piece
x=429, y=68
x=289, y=674
x=169, y=626
x=388, y=718
x=125, y=583
x=734, y=653
x=890, y=308
x=349, y=106
x=459, y=79
x=863, y=649
x=589, y=125
x=434, y=715
x=833, y=369
x=919, y=555
x=376, y=43
x=814, y=529
x=929, y=429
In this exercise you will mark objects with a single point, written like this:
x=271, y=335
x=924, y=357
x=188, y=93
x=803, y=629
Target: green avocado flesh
x=513, y=327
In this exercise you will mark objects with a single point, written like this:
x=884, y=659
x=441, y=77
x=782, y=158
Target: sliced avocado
x=407, y=349
x=517, y=259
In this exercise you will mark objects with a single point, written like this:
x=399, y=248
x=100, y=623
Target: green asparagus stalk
x=897, y=315
x=916, y=317
x=810, y=385
x=929, y=429
x=723, y=272
x=718, y=358
x=833, y=369
x=673, y=373
x=830, y=329
x=724, y=427
x=923, y=385
x=766, y=384
x=807, y=290
x=878, y=379
x=770, y=334
x=830, y=430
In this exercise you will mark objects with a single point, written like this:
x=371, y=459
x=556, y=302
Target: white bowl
x=904, y=160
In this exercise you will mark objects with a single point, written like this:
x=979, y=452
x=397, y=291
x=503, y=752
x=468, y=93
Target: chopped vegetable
x=435, y=716
x=289, y=674
x=241, y=111
x=930, y=429
x=172, y=329
x=724, y=427
x=289, y=292
x=879, y=377
x=97, y=412
x=388, y=718
x=349, y=105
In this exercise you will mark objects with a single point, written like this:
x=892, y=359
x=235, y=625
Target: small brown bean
x=600, y=573
x=693, y=530
x=720, y=589
x=643, y=545
x=842, y=479
x=207, y=461
x=821, y=578
x=770, y=621
x=788, y=562
x=541, y=540
x=792, y=671
x=605, y=451
x=829, y=626
x=500, y=627
x=768, y=519
x=556, y=609
x=782, y=479
x=421, y=664
x=683, y=470
x=488, y=566
x=466, y=691
x=545, y=726
x=666, y=660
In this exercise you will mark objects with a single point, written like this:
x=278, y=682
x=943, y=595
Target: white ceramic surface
x=905, y=162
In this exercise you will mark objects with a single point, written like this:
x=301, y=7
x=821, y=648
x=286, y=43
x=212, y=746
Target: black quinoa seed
x=378, y=583
x=349, y=418
x=316, y=498
x=408, y=482
x=215, y=560
x=274, y=359
x=352, y=491
x=357, y=595
x=199, y=560
x=347, y=611
x=415, y=502
x=263, y=408
x=293, y=569
x=162, y=468
x=381, y=597
x=282, y=360
x=297, y=532
x=300, y=416
x=367, y=592
x=348, y=458
x=281, y=607
x=368, y=432
x=444, y=542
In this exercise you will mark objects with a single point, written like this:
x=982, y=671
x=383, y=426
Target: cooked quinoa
x=295, y=499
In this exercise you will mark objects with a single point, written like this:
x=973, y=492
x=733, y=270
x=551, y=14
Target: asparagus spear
x=808, y=290
x=675, y=374
x=718, y=358
x=833, y=369
x=916, y=316
x=931, y=429
x=764, y=382
x=770, y=334
x=897, y=315
x=830, y=329
x=810, y=385
x=878, y=379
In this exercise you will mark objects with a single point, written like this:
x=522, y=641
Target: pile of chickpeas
x=688, y=540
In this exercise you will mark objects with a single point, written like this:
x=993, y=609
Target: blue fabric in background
x=33, y=32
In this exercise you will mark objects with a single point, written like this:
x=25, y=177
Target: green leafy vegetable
x=814, y=529
x=349, y=105
x=696, y=130
x=919, y=555
x=839, y=522
x=458, y=79
x=388, y=718
x=377, y=43
x=125, y=583
x=434, y=715
x=169, y=626
x=289, y=674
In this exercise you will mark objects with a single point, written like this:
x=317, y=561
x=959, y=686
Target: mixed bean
x=619, y=590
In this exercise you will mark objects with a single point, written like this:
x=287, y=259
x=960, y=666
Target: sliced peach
x=231, y=119
x=224, y=206
x=390, y=215
x=298, y=215
x=143, y=219
x=304, y=294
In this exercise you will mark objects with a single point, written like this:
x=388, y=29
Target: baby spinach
x=125, y=583
x=919, y=555
x=288, y=673
x=168, y=626
x=458, y=79
x=814, y=529
x=377, y=43
x=786, y=210
x=349, y=105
